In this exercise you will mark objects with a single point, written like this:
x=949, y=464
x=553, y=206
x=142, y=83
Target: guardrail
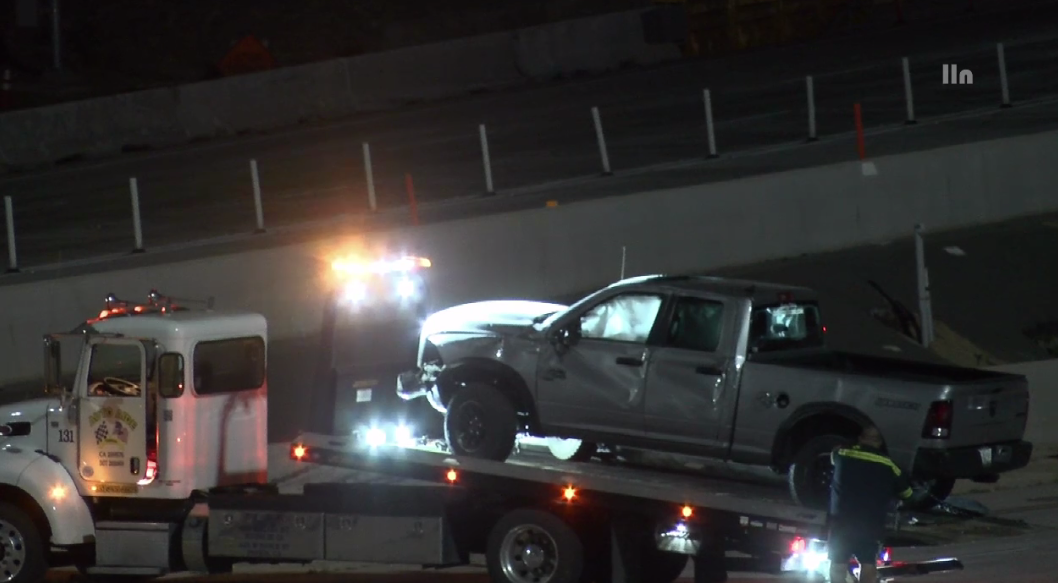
x=137, y=236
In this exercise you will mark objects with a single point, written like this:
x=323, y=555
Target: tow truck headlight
x=406, y=288
x=375, y=437
x=354, y=293
x=403, y=435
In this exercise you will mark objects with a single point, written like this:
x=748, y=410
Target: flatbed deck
x=757, y=505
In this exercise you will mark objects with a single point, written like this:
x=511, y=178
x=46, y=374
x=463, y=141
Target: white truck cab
x=164, y=402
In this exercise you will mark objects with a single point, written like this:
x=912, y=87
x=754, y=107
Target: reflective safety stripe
x=869, y=457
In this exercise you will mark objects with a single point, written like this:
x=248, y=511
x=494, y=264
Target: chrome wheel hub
x=12, y=552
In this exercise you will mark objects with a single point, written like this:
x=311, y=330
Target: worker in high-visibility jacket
x=864, y=485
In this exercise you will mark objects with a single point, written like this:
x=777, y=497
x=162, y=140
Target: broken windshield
x=784, y=327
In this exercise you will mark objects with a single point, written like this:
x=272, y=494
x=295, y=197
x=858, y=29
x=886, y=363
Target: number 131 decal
x=66, y=436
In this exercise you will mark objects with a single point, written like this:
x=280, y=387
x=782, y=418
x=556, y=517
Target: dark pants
x=850, y=540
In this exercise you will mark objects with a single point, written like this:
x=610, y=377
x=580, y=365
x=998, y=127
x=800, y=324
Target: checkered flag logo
x=102, y=432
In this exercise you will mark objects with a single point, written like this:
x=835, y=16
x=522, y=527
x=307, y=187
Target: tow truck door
x=112, y=416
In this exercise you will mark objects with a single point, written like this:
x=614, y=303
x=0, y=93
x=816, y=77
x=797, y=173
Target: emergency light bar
x=404, y=264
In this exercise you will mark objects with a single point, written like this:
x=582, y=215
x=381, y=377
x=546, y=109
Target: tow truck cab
x=162, y=402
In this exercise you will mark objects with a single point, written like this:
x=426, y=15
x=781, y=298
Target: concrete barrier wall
x=327, y=90
x=548, y=252
x=1042, y=429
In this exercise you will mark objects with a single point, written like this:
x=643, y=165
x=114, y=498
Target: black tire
x=22, y=552
x=481, y=423
x=810, y=472
x=930, y=493
x=558, y=546
x=662, y=567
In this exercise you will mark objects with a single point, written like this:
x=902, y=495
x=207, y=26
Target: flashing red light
x=569, y=493
x=824, y=329
x=451, y=475
x=798, y=545
x=887, y=554
x=298, y=452
x=687, y=511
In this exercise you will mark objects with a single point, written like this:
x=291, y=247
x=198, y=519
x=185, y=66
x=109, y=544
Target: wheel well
x=502, y=377
x=813, y=426
x=27, y=504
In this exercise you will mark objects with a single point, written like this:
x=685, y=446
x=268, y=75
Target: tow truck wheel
x=533, y=546
x=481, y=422
x=22, y=557
x=571, y=450
x=811, y=471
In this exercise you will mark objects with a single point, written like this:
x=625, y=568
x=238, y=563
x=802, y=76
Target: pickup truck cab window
x=696, y=324
x=785, y=326
x=624, y=318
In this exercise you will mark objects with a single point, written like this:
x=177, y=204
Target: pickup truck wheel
x=571, y=450
x=481, y=423
x=22, y=558
x=811, y=471
x=533, y=546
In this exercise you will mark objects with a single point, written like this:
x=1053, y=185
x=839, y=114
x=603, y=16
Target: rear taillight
x=798, y=546
x=938, y=421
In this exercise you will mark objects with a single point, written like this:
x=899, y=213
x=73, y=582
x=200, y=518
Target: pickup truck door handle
x=709, y=370
x=629, y=361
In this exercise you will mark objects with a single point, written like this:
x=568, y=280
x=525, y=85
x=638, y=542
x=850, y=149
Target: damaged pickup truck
x=707, y=367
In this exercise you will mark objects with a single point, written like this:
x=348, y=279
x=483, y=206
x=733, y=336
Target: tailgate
x=993, y=412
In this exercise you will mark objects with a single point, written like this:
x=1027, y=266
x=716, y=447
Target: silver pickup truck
x=707, y=367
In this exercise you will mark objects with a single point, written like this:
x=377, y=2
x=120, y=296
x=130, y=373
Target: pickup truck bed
x=891, y=368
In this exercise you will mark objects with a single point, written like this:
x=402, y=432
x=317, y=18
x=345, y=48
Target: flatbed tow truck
x=152, y=459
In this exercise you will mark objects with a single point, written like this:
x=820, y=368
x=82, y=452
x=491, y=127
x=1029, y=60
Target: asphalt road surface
x=536, y=136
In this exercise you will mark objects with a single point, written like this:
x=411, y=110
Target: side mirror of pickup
x=567, y=336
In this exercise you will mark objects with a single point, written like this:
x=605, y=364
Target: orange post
x=410, y=186
x=861, y=147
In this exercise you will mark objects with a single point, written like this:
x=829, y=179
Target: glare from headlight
x=354, y=293
x=403, y=435
x=375, y=437
x=405, y=288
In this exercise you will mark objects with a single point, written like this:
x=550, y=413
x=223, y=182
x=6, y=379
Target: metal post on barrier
x=861, y=146
x=137, y=227
x=601, y=138
x=413, y=204
x=908, y=96
x=257, y=206
x=925, y=302
x=371, y=201
x=12, y=253
x=1001, y=54
x=485, y=160
x=810, y=90
x=710, y=132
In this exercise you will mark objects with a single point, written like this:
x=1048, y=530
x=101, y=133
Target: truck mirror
x=52, y=365
x=171, y=375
